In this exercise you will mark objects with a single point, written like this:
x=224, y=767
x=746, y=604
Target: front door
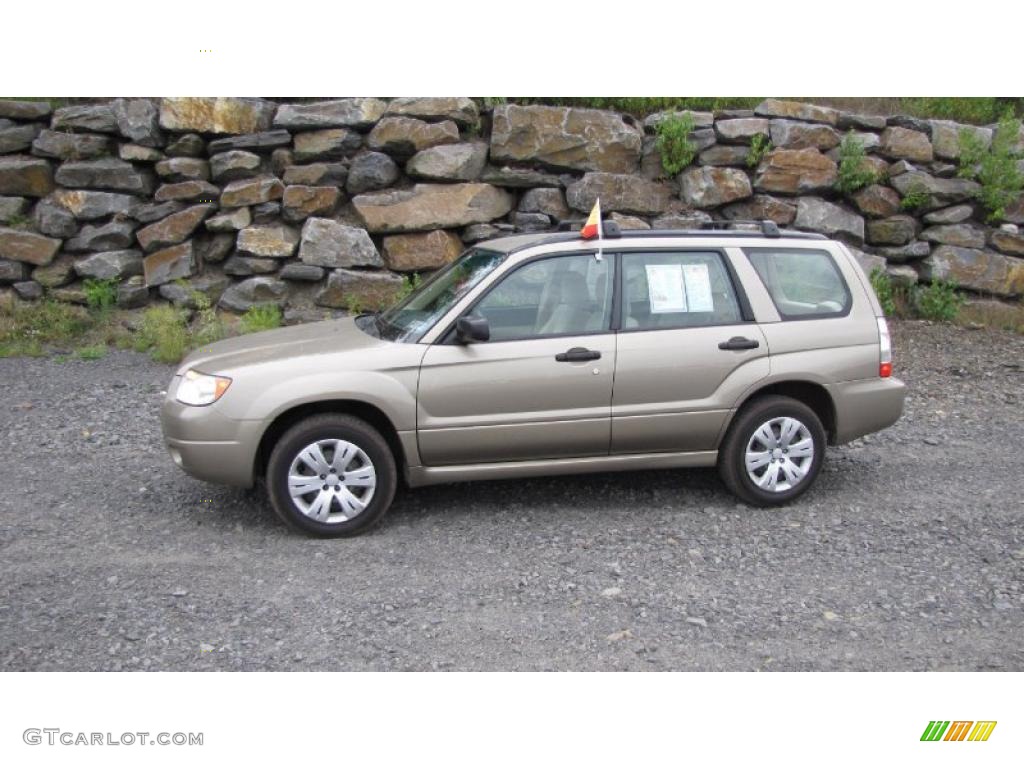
x=542, y=386
x=685, y=352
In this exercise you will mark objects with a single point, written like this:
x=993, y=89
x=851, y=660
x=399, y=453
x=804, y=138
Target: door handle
x=739, y=342
x=578, y=355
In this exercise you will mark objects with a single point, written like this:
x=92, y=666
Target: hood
x=329, y=336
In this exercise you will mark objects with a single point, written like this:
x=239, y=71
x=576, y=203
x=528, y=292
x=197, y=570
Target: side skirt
x=420, y=476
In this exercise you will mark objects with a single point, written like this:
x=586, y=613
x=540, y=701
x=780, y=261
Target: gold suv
x=550, y=354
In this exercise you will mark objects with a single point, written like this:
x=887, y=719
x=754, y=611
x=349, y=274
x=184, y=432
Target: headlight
x=200, y=389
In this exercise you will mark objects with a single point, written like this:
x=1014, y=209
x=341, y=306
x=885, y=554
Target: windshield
x=410, y=318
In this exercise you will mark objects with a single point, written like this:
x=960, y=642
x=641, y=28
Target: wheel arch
x=812, y=394
x=368, y=412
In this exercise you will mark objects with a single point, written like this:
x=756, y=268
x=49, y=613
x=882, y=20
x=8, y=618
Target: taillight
x=884, y=349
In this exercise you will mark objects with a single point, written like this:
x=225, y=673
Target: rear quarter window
x=804, y=283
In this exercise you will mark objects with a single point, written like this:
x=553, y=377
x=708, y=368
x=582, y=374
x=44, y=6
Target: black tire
x=732, y=453
x=327, y=427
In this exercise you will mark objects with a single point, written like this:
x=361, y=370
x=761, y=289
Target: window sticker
x=665, y=288
x=698, y=288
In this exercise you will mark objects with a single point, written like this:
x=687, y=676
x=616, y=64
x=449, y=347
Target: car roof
x=513, y=243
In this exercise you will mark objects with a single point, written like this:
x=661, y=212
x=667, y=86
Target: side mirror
x=470, y=328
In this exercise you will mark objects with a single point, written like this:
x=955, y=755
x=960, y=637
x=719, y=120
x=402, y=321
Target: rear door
x=542, y=386
x=687, y=348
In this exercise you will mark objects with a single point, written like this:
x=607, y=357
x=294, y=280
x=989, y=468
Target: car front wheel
x=331, y=475
x=772, y=452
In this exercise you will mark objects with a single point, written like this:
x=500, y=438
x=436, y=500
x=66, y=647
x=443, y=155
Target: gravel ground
x=907, y=555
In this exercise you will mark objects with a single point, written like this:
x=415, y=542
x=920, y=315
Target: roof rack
x=719, y=227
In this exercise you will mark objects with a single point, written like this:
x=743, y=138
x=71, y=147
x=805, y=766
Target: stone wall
x=323, y=206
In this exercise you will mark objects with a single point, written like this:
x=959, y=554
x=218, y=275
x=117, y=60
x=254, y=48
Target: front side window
x=560, y=296
x=677, y=289
x=413, y=316
x=803, y=283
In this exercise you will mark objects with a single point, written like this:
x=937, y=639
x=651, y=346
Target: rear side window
x=803, y=283
x=677, y=289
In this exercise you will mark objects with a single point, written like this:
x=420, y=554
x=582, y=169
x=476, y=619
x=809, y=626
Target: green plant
x=163, y=333
x=409, y=285
x=262, y=317
x=995, y=167
x=673, y=142
x=760, y=146
x=854, y=171
x=938, y=301
x=93, y=352
x=917, y=196
x=25, y=329
x=208, y=326
x=884, y=290
x=353, y=304
x=100, y=295
x=18, y=221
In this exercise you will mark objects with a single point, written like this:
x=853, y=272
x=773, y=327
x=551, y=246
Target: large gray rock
x=183, y=169
x=139, y=121
x=531, y=222
x=24, y=110
x=565, y=138
x=212, y=247
x=245, y=295
x=110, y=265
x=187, y=145
x=952, y=215
x=905, y=144
x=797, y=110
x=17, y=138
x=962, y=235
x=27, y=247
x=452, y=162
x=909, y=252
x=59, y=272
x=877, y=201
x=371, y=171
x=320, y=174
x=304, y=273
x=301, y=201
x=741, y=130
x=710, y=187
x=940, y=192
x=817, y=215
x=869, y=262
x=359, y=290
x=251, y=192
x=404, y=136
x=791, y=134
x=97, y=118
x=946, y=137
x=337, y=113
x=25, y=176
x=12, y=272
x=107, y=173
x=724, y=155
x=132, y=293
x=520, y=178
x=273, y=241
x=547, y=201
x=620, y=192
x=458, y=109
x=233, y=165
x=169, y=264
x=1008, y=242
x=421, y=250
x=246, y=266
x=795, y=172
x=12, y=207
x=87, y=204
x=326, y=144
x=206, y=114
x=194, y=190
x=113, y=236
x=54, y=220
x=147, y=212
x=431, y=206
x=261, y=140
x=860, y=122
x=760, y=208
x=71, y=146
x=327, y=243
x=894, y=230
x=977, y=270
x=174, y=229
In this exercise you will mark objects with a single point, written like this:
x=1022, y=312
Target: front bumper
x=208, y=445
x=866, y=405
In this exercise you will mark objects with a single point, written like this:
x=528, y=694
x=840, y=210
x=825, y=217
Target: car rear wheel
x=772, y=452
x=331, y=475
